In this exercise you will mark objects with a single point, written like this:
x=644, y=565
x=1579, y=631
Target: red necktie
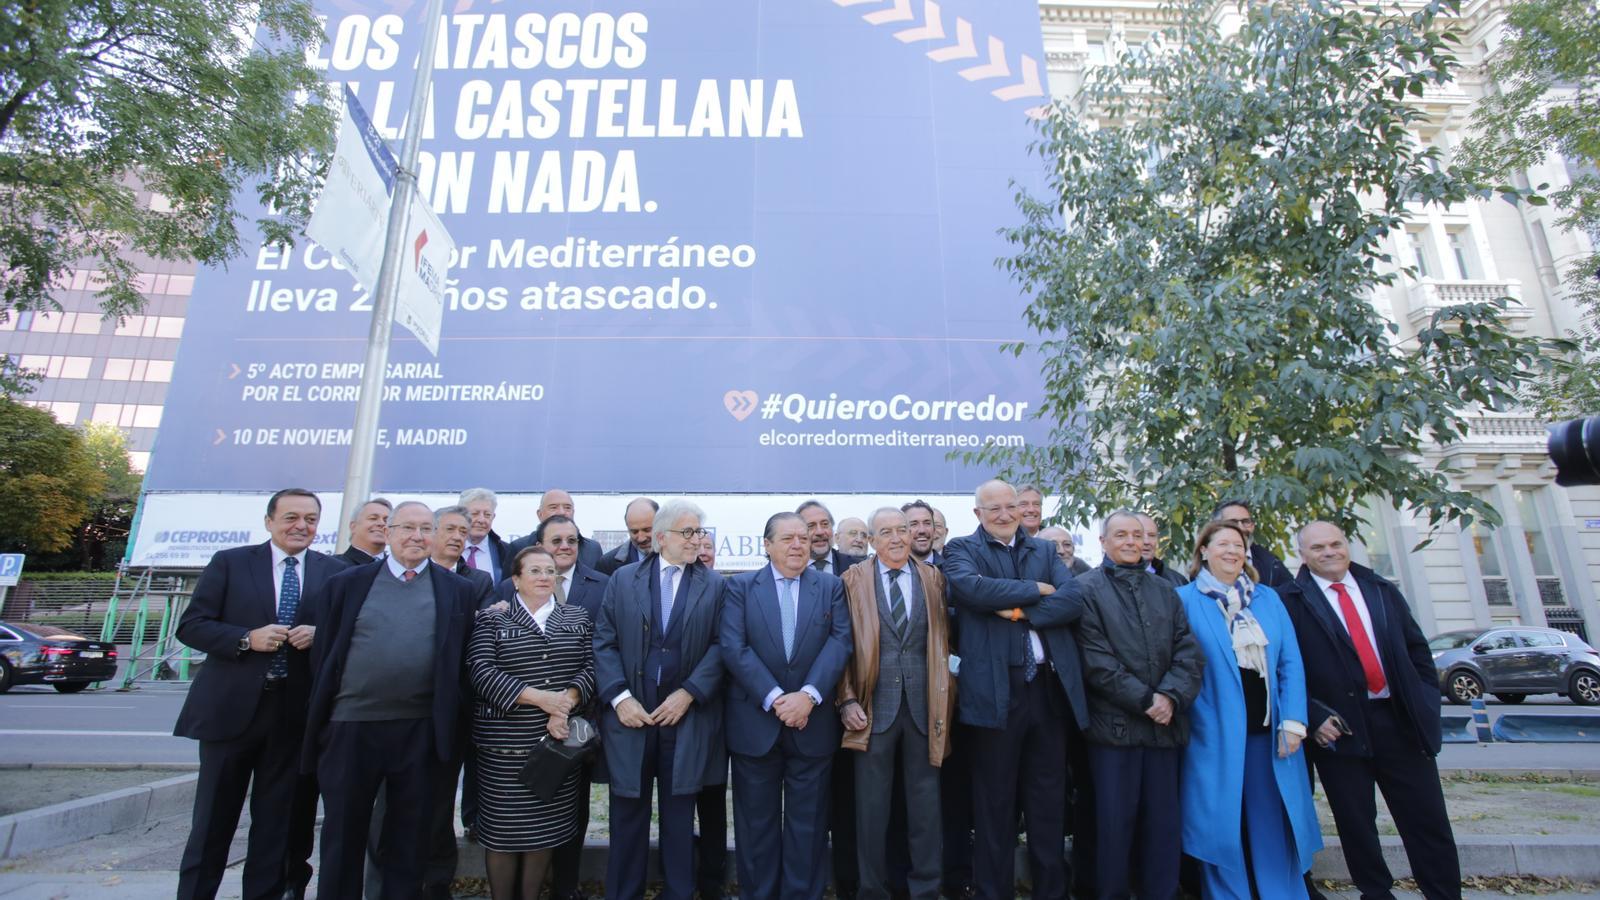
x=1358, y=636
x=412, y=573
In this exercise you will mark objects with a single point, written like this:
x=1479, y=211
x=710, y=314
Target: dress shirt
x=661, y=579
x=1360, y=602
x=827, y=564
x=905, y=583
x=1034, y=643
x=486, y=558
x=399, y=571
x=278, y=556
x=777, y=584
x=542, y=614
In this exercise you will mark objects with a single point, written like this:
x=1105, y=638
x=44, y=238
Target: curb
x=77, y=820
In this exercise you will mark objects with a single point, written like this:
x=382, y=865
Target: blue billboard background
x=815, y=307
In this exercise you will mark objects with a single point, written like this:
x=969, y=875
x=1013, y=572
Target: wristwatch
x=244, y=643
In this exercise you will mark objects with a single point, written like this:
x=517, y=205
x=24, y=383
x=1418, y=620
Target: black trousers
x=955, y=802
x=1022, y=760
x=1409, y=778
x=842, y=826
x=630, y=827
x=357, y=760
x=302, y=833
x=711, y=842
x=443, y=853
x=1138, y=821
x=261, y=762
x=1080, y=811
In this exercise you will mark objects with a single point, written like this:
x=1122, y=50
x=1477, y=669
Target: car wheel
x=1511, y=698
x=1465, y=687
x=1584, y=689
x=71, y=687
x=5, y=676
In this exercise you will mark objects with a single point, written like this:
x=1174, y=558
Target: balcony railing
x=1430, y=295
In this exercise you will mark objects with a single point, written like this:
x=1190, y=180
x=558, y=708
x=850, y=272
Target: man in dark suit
x=385, y=705
x=1021, y=690
x=841, y=812
x=485, y=550
x=658, y=665
x=1374, y=705
x=254, y=613
x=451, y=531
x=785, y=640
x=1030, y=509
x=1267, y=564
x=369, y=531
x=919, y=518
x=556, y=502
x=1154, y=564
x=639, y=517
x=1066, y=548
x=711, y=804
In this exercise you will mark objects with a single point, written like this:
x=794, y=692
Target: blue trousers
x=630, y=827
x=1269, y=849
x=1136, y=811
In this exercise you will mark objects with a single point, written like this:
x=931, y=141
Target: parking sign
x=11, y=568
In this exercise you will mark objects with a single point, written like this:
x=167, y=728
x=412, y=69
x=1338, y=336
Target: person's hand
x=793, y=709
x=1327, y=733
x=673, y=708
x=496, y=607
x=268, y=638
x=631, y=714
x=1161, y=709
x=558, y=728
x=1288, y=744
x=300, y=636
x=1045, y=589
x=853, y=716
x=556, y=703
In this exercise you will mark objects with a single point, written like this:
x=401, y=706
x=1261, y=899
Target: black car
x=1512, y=662
x=45, y=654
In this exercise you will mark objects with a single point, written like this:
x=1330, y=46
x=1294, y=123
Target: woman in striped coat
x=532, y=666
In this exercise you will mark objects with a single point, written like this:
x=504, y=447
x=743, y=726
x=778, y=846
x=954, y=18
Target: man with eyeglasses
x=852, y=537
x=658, y=667
x=895, y=702
x=1273, y=572
x=557, y=502
x=384, y=705
x=1021, y=686
x=640, y=518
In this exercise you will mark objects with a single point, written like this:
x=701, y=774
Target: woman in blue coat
x=1244, y=778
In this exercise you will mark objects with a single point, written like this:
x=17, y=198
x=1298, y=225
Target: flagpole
x=364, y=440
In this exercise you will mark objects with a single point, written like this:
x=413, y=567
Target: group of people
x=895, y=715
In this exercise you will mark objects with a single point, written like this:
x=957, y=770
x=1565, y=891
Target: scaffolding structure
x=152, y=597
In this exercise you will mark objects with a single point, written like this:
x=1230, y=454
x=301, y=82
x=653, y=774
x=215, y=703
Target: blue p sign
x=11, y=567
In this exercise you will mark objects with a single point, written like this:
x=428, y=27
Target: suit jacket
x=1334, y=678
x=235, y=595
x=752, y=650
x=620, y=556
x=861, y=675
x=1270, y=570
x=841, y=562
x=588, y=552
x=981, y=582
x=482, y=583
x=621, y=643
x=588, y=586
x=455, y=608
x=356, y=556
x=1079, y=567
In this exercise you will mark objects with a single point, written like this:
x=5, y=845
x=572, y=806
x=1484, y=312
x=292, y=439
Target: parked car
x=45, y=654
x=1512, y=662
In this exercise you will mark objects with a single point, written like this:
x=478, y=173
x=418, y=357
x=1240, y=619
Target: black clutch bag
x=550, y=761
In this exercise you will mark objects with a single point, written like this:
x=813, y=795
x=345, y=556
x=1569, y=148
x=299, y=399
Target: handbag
x=550, y=761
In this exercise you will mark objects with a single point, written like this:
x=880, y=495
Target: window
x=56, y=366
x=66, y=413
x=7, y=634
x=151, y=326
x=1461, y=250
x=1375, y=538
x=1419, y=250
x=169, y=327
x=127, y=415
x=147, y=416
x=117, y=369
x=1499, y=640
x=159, y=370
x=139, y=460
x=1542, y=639
x=8, y=320
x=1490, y=566
x=1551, y=590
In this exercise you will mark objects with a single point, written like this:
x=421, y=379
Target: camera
x=1575, y=449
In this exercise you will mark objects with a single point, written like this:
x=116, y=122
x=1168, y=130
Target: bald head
x=1324, y=550
x=555, y=502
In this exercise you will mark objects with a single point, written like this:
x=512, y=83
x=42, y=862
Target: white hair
x=669, y=514
x=473, y=495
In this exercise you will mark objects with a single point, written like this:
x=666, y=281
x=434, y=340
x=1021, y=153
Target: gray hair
x=356, y=513
x=473, y=495
x=1105, y=526
x=670, y=512
x=799, y=510
x=405, y=506
x=441, y=512
x=872, y=520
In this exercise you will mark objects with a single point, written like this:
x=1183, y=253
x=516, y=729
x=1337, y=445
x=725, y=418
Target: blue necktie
x=786, y=607
x=669, y=575
x=288, y=605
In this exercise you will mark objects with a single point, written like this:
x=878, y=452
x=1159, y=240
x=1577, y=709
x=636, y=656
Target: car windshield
x=1453, y=640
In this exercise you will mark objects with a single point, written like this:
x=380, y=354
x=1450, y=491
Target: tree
x=1548, y=72
x=1203, y=264
x=176, y=95
x=102, y=536
x=48, y=479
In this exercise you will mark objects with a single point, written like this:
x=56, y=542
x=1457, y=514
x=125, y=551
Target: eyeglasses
x=562, y=541
x=424, y=530
x=542, y=570
x=690, y=534
x=1241, y=523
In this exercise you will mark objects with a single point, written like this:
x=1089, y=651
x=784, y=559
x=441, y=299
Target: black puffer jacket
x=1135, y=642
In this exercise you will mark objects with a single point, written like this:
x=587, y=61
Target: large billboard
x=732, y=246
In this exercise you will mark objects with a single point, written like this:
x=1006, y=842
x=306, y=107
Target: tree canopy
x=1548, y=74
x=197, y=100
x=48, y=479
x=1204, y=261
